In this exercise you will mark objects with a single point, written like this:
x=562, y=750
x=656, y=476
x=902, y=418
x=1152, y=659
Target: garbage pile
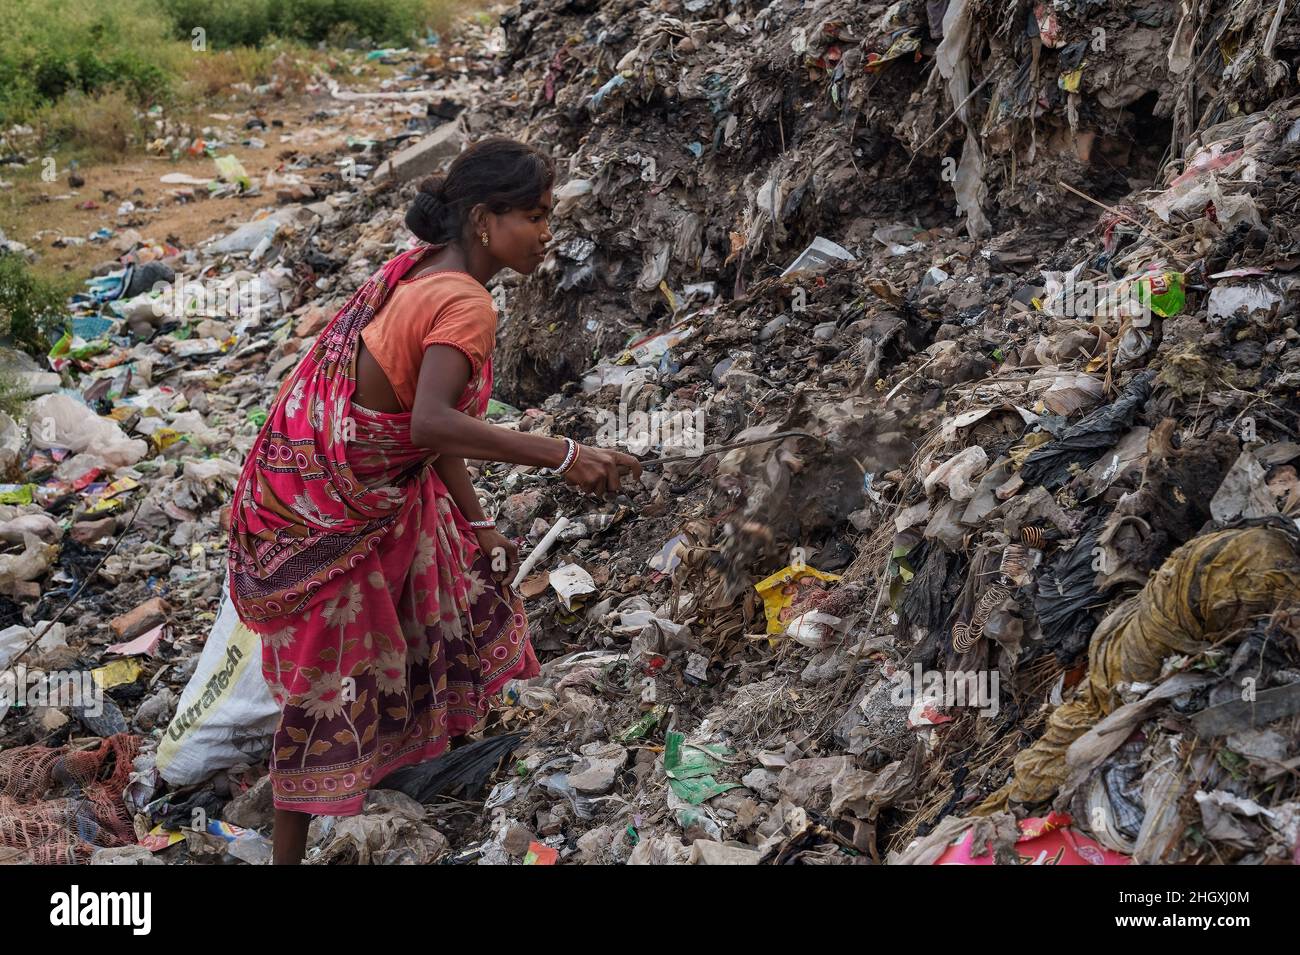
x=705, y=143
x=984, y=611
x=960, y=342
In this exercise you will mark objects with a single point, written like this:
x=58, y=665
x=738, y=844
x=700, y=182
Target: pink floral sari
x=384, y=631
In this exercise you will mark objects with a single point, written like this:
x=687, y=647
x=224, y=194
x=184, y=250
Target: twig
x=951, y=116
x=1123, y=215
x=91, y=576
x=716, y=448
x=894, y=390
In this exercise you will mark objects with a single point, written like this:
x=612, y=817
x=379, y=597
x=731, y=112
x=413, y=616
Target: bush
x=213, y=72
x=32, y=309
x=52, y=48
x=102, y=126
x=251, y=22
x=49, y=48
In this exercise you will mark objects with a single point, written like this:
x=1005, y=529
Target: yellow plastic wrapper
x=1208, y=590
x=117, y=673
x=109, y=501
x=108, y=505
x=164, y=438
x=1070, y=81
x=16, y=493
x=782, y=590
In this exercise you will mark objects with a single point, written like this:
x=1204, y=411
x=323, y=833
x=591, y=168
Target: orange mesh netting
x=57, y=806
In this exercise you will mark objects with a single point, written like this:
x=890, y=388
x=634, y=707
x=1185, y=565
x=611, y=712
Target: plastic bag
x=958, y=472
x=11, y=442
x=226, y=714
x=1088, y=439
x=58, y=421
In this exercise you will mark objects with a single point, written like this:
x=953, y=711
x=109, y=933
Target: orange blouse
x=437, y=308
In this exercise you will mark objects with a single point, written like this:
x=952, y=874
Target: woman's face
x=518, y=238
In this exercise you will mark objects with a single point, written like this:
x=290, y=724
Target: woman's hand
x=501, y=551
x=599, y=470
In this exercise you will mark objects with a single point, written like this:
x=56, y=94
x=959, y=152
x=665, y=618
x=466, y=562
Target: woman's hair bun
x=427, y=213
x=427, y=204
x=434, y=186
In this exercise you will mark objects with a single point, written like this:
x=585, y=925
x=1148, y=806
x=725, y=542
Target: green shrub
x=49, y=48
x=32, y=309
x=250, y=22
x=52, y=48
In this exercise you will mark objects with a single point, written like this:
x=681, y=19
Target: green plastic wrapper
x=690, y=774
x=644, y=725
x=1163, y=292
x=230, y=169
x=16, y=493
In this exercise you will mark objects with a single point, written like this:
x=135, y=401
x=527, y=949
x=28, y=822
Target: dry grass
x=102, y=126
x=211, y=74
x=443, y=13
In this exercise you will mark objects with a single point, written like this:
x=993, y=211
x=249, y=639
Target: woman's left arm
x=455, y=478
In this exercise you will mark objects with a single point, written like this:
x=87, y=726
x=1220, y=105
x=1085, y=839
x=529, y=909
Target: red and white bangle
x=483, y=525
x=570, y=457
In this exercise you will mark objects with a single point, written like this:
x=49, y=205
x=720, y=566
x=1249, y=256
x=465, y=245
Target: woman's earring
x=485, y=238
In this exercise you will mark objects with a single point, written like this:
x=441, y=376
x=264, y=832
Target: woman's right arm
x=438, y=426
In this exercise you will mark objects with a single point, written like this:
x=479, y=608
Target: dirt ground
x=307, y=126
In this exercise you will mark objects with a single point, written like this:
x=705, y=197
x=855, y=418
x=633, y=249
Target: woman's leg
x=289, y=837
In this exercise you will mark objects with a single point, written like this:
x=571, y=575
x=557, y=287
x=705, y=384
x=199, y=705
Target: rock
x=87, y=532
x=252, y=809
x=553, y=823
x=594, y=844
x=596, y=772
x=311, y=323
x=762, y=781
x=51, y=719
x=422, y=158
x=519, y=509
x=278, y=369
x=124, y=855
x=827, y=665
x=155, y=710
x=708, y=852
x=144, y=617
x=515, y=840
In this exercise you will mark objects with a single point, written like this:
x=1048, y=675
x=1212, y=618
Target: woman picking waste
x=358, y=550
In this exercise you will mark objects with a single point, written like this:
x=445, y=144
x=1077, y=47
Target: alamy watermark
x=676, y=432
x=186, y=299
x=1126, y=298
x=70, y=689
x=947, y=688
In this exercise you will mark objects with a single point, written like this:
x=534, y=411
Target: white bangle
x=570, y=455
x=483, y=525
